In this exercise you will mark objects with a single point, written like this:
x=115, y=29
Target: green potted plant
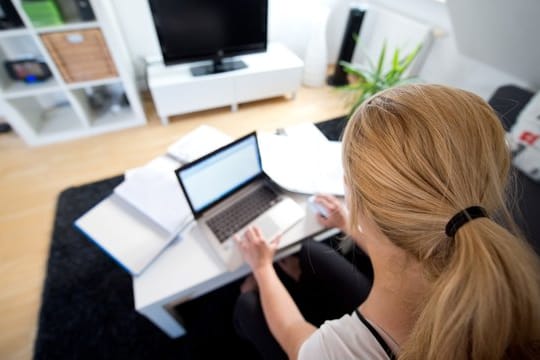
x=367, y=81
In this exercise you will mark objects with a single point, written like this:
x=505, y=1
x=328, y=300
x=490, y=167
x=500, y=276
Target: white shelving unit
x=57, y=110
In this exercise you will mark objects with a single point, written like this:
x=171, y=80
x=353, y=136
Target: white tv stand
x=174, y=90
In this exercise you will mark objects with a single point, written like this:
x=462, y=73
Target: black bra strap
x=377, y=336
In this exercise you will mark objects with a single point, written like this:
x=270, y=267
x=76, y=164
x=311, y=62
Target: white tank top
x=350, y=337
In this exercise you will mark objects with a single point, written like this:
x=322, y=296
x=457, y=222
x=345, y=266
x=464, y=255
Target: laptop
x=228, y=191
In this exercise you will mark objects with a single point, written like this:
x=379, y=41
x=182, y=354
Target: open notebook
x=129, y=238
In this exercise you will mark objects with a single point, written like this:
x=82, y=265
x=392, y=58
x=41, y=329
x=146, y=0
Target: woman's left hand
x=256, y=251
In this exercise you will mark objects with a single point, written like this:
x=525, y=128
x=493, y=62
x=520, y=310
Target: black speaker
x=354, y=24
x=85, y=10
x=8, y=16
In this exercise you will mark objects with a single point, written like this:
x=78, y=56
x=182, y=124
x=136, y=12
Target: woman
x=425, y=172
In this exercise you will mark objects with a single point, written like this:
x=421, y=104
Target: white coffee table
x=189, y=268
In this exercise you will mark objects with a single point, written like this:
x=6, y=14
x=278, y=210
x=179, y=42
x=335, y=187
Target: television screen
x=191, y=30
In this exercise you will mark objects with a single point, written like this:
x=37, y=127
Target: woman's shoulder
x=344, y=338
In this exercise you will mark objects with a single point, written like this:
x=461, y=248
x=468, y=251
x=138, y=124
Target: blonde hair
x=414, y=156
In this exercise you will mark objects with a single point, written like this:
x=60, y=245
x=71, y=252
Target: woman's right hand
x=256, y=251
x=337, y=215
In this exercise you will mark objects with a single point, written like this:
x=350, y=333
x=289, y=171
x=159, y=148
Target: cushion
x=524, y=139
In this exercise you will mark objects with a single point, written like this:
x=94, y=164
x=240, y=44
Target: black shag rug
x=87, y=309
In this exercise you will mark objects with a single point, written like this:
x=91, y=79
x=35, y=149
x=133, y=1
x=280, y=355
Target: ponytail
x=485, y=304
x=415, y=155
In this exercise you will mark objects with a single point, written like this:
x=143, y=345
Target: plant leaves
x=354, y=69
x=380, y=62
x=395, y=59
x=406, y=62
x=371, y=80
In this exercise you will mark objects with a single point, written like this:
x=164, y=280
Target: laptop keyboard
x=226, y=223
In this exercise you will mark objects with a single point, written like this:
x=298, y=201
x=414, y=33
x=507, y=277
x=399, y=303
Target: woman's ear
x=369, y=232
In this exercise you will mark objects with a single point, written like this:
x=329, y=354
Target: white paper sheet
x=301, y=164
x=161, y=163
x=306, y=132
x=197, y=143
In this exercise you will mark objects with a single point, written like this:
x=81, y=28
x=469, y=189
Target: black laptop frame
x=198, y=213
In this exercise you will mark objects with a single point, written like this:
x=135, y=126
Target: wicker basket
x=81, y=55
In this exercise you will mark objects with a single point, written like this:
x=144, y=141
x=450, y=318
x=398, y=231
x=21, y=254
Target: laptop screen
x=211, y=178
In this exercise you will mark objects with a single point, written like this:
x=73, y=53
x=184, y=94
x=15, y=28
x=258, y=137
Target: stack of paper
x=155, y=192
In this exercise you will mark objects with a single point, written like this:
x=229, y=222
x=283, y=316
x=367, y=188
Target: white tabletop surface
x=190, y=267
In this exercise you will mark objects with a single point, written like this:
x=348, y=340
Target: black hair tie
x=463, y=217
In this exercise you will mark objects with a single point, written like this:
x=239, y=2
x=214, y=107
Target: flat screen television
x=194, y=30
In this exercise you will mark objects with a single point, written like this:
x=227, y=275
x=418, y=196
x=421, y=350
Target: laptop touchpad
x=268, y=227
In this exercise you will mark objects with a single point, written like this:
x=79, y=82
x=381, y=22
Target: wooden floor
x=32, y=178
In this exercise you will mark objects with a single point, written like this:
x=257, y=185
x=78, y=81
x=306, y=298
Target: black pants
x=330, y=286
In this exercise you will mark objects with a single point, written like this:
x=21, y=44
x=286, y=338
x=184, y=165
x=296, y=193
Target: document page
x=302, y=163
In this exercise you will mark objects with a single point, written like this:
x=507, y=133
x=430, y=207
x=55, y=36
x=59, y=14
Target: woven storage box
x=80, y=55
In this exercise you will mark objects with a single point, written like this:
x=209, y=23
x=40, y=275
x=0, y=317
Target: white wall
x=507, y=36
x=289, y=23
x=138, y=30
x=445, y=64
